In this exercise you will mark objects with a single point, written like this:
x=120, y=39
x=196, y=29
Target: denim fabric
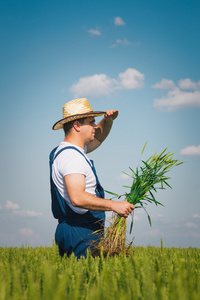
x=75, y=232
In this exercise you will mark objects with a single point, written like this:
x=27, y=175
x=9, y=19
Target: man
x=77, y=196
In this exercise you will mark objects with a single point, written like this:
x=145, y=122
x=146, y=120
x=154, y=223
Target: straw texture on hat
x=76, y=109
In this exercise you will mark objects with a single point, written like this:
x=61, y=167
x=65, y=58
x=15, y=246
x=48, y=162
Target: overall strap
x=71, y=147
x=99, y=188
x=60, y=208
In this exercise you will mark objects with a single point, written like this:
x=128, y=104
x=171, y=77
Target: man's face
x=88, y=129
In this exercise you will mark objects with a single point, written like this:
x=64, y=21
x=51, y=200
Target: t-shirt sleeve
x=72, y=164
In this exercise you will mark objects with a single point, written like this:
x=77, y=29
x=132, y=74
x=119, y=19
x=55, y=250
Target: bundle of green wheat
x=146, y=180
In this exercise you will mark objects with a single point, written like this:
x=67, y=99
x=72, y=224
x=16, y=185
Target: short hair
x=68, y=126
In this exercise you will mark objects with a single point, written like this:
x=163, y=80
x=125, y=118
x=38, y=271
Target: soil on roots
x=113, y=239
x=97, y=252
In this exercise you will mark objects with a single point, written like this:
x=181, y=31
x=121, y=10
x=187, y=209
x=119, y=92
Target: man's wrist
x=112, y=205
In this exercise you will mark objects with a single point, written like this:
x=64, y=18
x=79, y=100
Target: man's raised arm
x=103, y=129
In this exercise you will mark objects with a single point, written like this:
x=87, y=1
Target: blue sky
x=141, y=57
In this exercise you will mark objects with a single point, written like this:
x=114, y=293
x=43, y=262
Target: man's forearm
x=103, y=129
x=90, y=202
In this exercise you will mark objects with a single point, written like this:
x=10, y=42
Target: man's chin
x=92, y=139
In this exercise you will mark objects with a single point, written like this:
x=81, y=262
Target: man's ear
x=77, y=126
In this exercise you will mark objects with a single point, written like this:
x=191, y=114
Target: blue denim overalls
x=75, y=232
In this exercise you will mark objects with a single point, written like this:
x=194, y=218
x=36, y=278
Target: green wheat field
x=147, y=273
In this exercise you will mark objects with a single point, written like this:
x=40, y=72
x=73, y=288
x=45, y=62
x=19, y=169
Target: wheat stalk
x=146, y=180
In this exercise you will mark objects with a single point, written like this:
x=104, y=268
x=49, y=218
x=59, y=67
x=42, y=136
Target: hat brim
x=60, y=123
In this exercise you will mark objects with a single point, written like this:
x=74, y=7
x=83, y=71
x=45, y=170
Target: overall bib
x=75, y=232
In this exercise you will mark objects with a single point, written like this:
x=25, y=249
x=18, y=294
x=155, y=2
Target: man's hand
x=123, y=208
x=110, y=115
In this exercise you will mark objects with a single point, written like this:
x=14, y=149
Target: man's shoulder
x=69, y=149
x=69, y=160
x=69, y=152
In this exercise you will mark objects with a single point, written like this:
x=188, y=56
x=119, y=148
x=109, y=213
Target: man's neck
x=74, y=141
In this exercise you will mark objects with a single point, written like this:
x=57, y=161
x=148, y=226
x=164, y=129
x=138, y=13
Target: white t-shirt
x=70, y=161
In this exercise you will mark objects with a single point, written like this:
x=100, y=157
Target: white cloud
x=28, y=213
x=11, y=205
x=191, y=151
x=1, y=207
x=191, y=225
x=131, y=79
x=177, y=97
x=165, y=84
x=124, y=177
x=118, y=21
x=196, y=216
x=123, y=42
x=94, y=32
x=101, y=84
x=26, y=231
x=97, y=84
x=23, y=213
x=188, y=84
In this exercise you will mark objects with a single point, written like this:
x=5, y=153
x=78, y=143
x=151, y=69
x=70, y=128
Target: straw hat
x=76, y=109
